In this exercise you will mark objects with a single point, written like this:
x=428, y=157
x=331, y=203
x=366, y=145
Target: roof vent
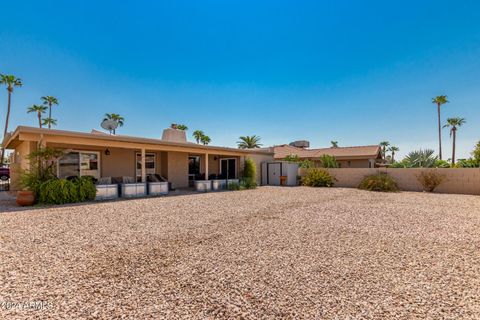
x=300, y=144
x=174, y=135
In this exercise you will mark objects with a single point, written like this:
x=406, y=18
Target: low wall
x=457, y=180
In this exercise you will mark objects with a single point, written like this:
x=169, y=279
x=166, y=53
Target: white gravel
x=266, y=253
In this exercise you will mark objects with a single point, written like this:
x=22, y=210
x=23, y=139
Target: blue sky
x=353, y=71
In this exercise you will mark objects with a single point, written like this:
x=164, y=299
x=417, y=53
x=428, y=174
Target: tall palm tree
x=439, y=100
x=454, y=123
x=115, y=117
x=182, y=127
x=384, y=145
x=39, y=110
x=393, y=149
x=334, y=144
x=205, y=140
x=197, y=135
x=50, y=101
x=10, y=81
x=249, y=142
x=49, y=122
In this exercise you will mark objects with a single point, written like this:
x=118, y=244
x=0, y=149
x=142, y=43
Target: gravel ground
x=266, y=253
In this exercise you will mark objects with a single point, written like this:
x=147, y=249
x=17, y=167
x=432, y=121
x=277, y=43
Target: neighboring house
x=347, y=157
x=102, y=155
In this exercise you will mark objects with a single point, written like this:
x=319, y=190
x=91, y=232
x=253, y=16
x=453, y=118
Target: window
x=194, y=165
x=149, y=165
x=79, y=163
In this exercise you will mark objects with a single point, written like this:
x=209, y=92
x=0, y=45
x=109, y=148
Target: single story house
x=347, y=157
x=100, y=155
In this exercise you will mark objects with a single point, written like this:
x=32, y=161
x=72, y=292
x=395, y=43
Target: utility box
x=279, y=173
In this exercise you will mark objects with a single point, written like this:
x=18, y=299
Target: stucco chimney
x=174, y=135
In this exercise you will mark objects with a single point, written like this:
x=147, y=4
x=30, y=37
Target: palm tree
x=393, y=149
x=439, y=100
x=10, y=81
x=182, y=127
x=115, y=117
x=198, y=134
x=49, y=122
x=39, y=110
x=249, y=142
x=50, y=101
x=334, y=144
x=454, y=123
x=205, y=140
x=384, y=145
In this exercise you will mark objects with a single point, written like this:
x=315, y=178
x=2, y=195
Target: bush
x=248, y=183
x=379, y=182
x=430, y=180
x=60, y=191
x=468, y=163
x=328, y=161
x=233, y=186
x=317, y=178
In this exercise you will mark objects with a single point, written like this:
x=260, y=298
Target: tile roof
x=360, y=152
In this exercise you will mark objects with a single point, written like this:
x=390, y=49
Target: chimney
x=174, y=135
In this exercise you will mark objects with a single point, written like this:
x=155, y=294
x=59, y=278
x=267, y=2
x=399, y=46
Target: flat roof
x=9, y=139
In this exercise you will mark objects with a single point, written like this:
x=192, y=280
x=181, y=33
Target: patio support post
x=143, y=166
x=206, y=166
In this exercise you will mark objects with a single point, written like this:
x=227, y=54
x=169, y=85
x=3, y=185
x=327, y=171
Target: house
x=100, y=155
x=347, y=157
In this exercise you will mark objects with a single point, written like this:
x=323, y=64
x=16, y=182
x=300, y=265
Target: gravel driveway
x=266, y=253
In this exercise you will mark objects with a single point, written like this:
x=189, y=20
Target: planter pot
x=25, y=198
x=157, y=188
x=107, y=192
x=203, y=185
x=219, y=184
x=132, y=190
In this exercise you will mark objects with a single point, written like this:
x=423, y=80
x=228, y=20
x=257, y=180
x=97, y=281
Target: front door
x=228, y=168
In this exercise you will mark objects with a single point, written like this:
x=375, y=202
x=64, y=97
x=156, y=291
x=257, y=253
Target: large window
x=79, y=163
x=149, y=165
x=228, y=168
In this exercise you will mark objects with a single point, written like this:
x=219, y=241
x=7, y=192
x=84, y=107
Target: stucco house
x=100, y=155
x=347, y=157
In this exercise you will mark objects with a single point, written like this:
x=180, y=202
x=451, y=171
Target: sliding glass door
x=228, y=168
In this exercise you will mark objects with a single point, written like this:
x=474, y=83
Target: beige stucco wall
x=178, y=169
x=457, y=180
x=120, y=162
x=20, y=163
x=258, y=158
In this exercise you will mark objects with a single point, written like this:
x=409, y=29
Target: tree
x=182, y=127
x=115, y=117
x=249, y=142
x=39, y=110
x=50, y=101
x=198, y=134
x=10, y=81
x=384, y=145
x=393, y=149
x=453, y=124
x=334, y=144
x=439, y=101
x=205, y=140
x=49, y=122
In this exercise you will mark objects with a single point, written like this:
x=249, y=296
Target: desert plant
x=205, y=140
x=379, y=182
x=393, y=149
x=439, y=101
x=306, y=164
x=421, y=159
x=249, y=142
x=467, y=163
x=317, y=178
x=197, y=135
x=233, y=186
x=49, y=122
x=328, y=161
x=182, y=127
x=60, y=191
x=453, y=124
x=430, y=180
x=39, y=110
x=384, y=145
x=334, y=144
x=249, y=169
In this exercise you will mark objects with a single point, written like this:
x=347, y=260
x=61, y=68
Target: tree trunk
x=50, y=116
x=453, y=147
x=39, y=120
x=6, y=122
x=439, y=133
x=393, y=156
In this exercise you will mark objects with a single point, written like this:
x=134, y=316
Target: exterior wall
x=258, y=158
x=178, y=169
x=20, y=163
x=364, y=163
x=457, y=180
x=120, y=162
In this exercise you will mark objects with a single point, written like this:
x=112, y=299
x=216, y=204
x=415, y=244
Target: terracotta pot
x=25, y=198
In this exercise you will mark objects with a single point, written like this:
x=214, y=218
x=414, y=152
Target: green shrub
x=328, y=161
x=430, y=180
x=468, y=163
x=233, y=186
x=379, y=182
x=248, y=183
x=249, y=169
x=317, y=178
x=60, y=191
